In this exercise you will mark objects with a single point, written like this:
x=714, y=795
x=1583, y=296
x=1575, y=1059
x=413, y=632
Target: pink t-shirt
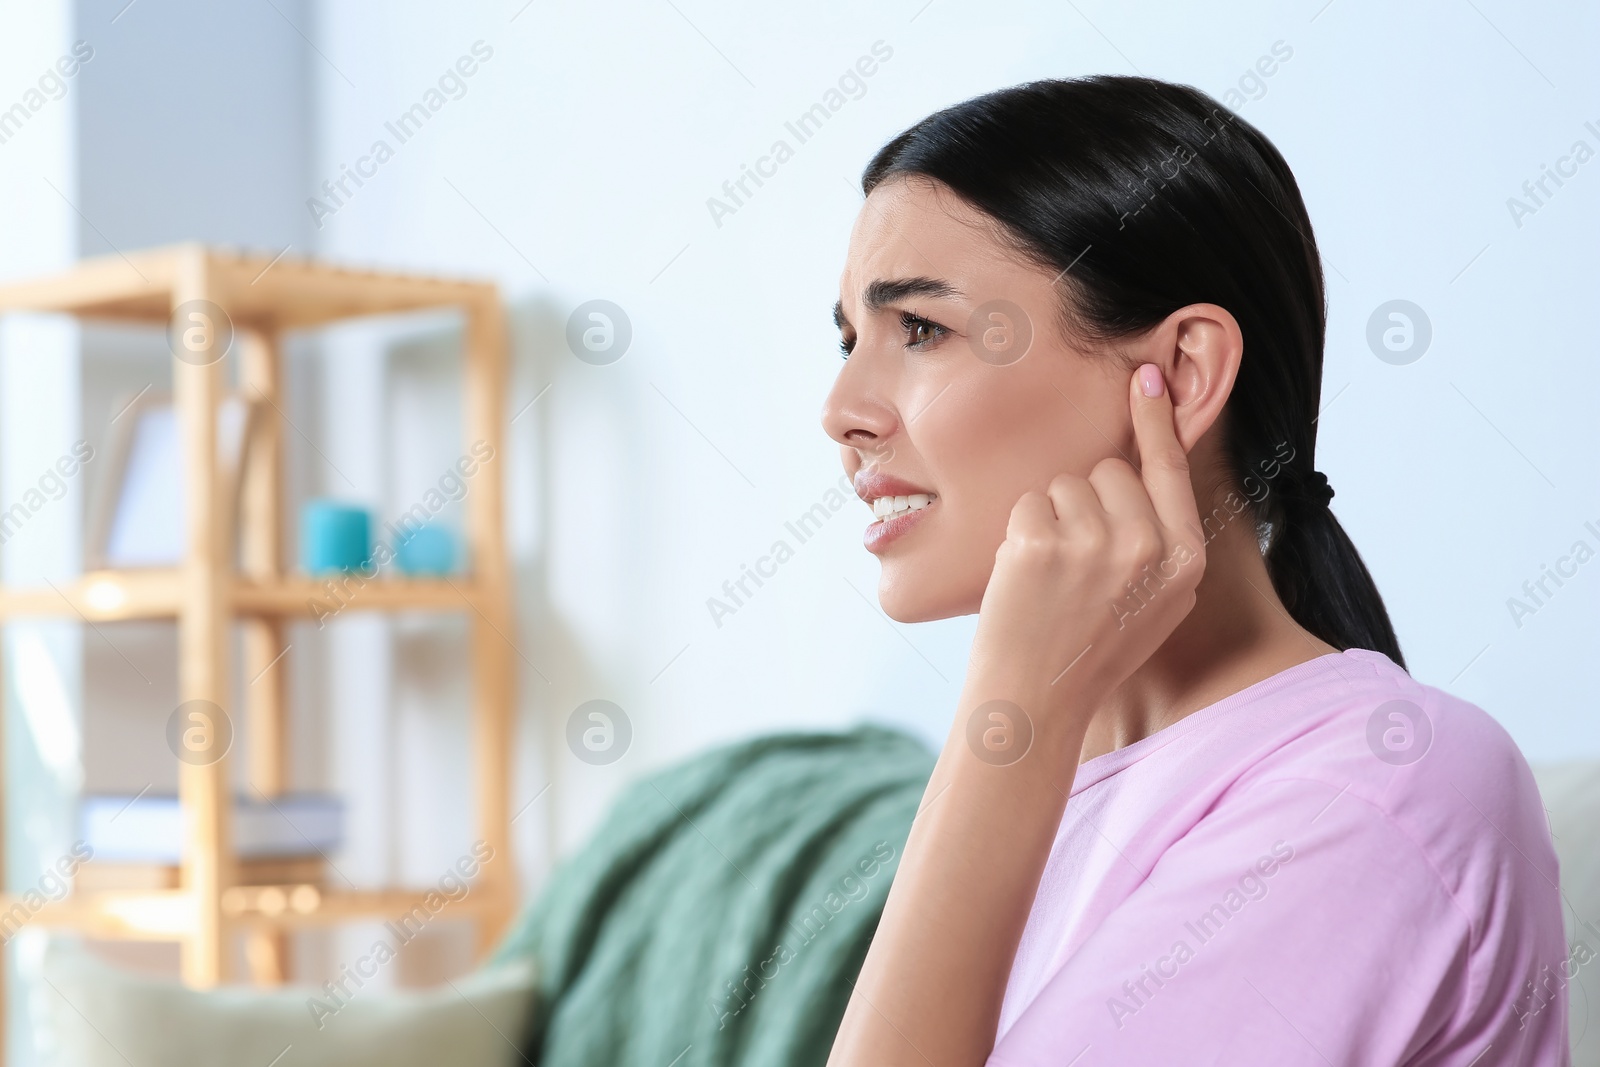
x=1336, y=866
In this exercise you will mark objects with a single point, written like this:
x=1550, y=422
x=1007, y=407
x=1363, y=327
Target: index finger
x=1163, y=464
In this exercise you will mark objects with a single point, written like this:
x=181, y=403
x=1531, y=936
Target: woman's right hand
x=1095, y=573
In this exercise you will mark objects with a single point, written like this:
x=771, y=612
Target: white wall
x=39, y=386
x=578, y=164
x=193, y=123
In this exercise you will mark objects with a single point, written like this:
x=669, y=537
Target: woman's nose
x=857, y=413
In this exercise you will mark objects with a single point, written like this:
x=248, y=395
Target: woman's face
x=960, y=388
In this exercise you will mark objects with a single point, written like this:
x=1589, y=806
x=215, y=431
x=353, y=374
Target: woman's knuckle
x=1142, y=540
x=1090, y=540
x=1063, y=483
x=1108, y=467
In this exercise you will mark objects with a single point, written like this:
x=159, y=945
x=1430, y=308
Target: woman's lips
x=884, y=532
x=874, y=485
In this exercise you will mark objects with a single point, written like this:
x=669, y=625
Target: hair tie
x=1318, y=490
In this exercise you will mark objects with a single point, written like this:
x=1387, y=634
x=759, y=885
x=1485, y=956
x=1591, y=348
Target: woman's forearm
x=931, y=987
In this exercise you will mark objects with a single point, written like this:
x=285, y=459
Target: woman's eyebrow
x=883, y=291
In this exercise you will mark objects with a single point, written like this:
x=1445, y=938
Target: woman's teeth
x=892, y=507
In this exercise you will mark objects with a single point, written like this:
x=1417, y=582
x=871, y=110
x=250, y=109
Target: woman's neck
x=1237, y=634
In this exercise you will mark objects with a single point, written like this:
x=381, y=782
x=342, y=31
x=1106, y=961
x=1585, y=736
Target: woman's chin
x=907, y=597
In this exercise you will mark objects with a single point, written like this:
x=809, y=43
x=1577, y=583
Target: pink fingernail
x=1150, y=381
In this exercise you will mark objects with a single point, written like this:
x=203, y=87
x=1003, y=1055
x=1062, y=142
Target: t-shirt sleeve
x=1294, y=924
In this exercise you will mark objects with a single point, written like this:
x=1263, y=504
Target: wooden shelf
x=311, y=596
x=216, y=898
x=120, y=876
x=133, y=915
x=171, y=914
x=100, y=596
x=304, y=905
x=111, y=596
x=258, y=290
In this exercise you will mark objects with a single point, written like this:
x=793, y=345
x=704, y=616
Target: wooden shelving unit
x=208, y=594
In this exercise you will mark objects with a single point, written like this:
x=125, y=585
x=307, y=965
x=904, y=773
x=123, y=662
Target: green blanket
x=721, y=912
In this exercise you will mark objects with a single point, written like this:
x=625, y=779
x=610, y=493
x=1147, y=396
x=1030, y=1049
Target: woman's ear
x=1200, y=348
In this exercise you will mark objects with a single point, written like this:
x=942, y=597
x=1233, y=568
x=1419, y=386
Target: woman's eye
x=920, y=331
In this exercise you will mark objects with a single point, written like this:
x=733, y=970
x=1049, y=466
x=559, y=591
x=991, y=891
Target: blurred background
x=605, y=152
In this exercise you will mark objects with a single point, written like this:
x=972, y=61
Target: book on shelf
x=148, y=829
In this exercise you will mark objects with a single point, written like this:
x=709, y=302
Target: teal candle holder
x=334, y=537
x=428, y=550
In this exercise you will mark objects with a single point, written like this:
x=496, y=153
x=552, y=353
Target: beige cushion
x=1571, y=794
x=89, y=1013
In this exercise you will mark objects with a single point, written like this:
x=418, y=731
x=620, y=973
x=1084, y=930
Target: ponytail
x=1323, y=583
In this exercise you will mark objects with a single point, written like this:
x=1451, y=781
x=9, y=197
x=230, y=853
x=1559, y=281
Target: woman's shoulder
x=1441, y=769
x=1341, y=846
x=1369, y=724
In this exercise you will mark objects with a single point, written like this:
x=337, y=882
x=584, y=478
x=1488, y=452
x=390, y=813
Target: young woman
x=1192, y=809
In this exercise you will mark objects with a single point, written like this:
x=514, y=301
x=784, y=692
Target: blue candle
x=334, y=537
x=429, y=549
